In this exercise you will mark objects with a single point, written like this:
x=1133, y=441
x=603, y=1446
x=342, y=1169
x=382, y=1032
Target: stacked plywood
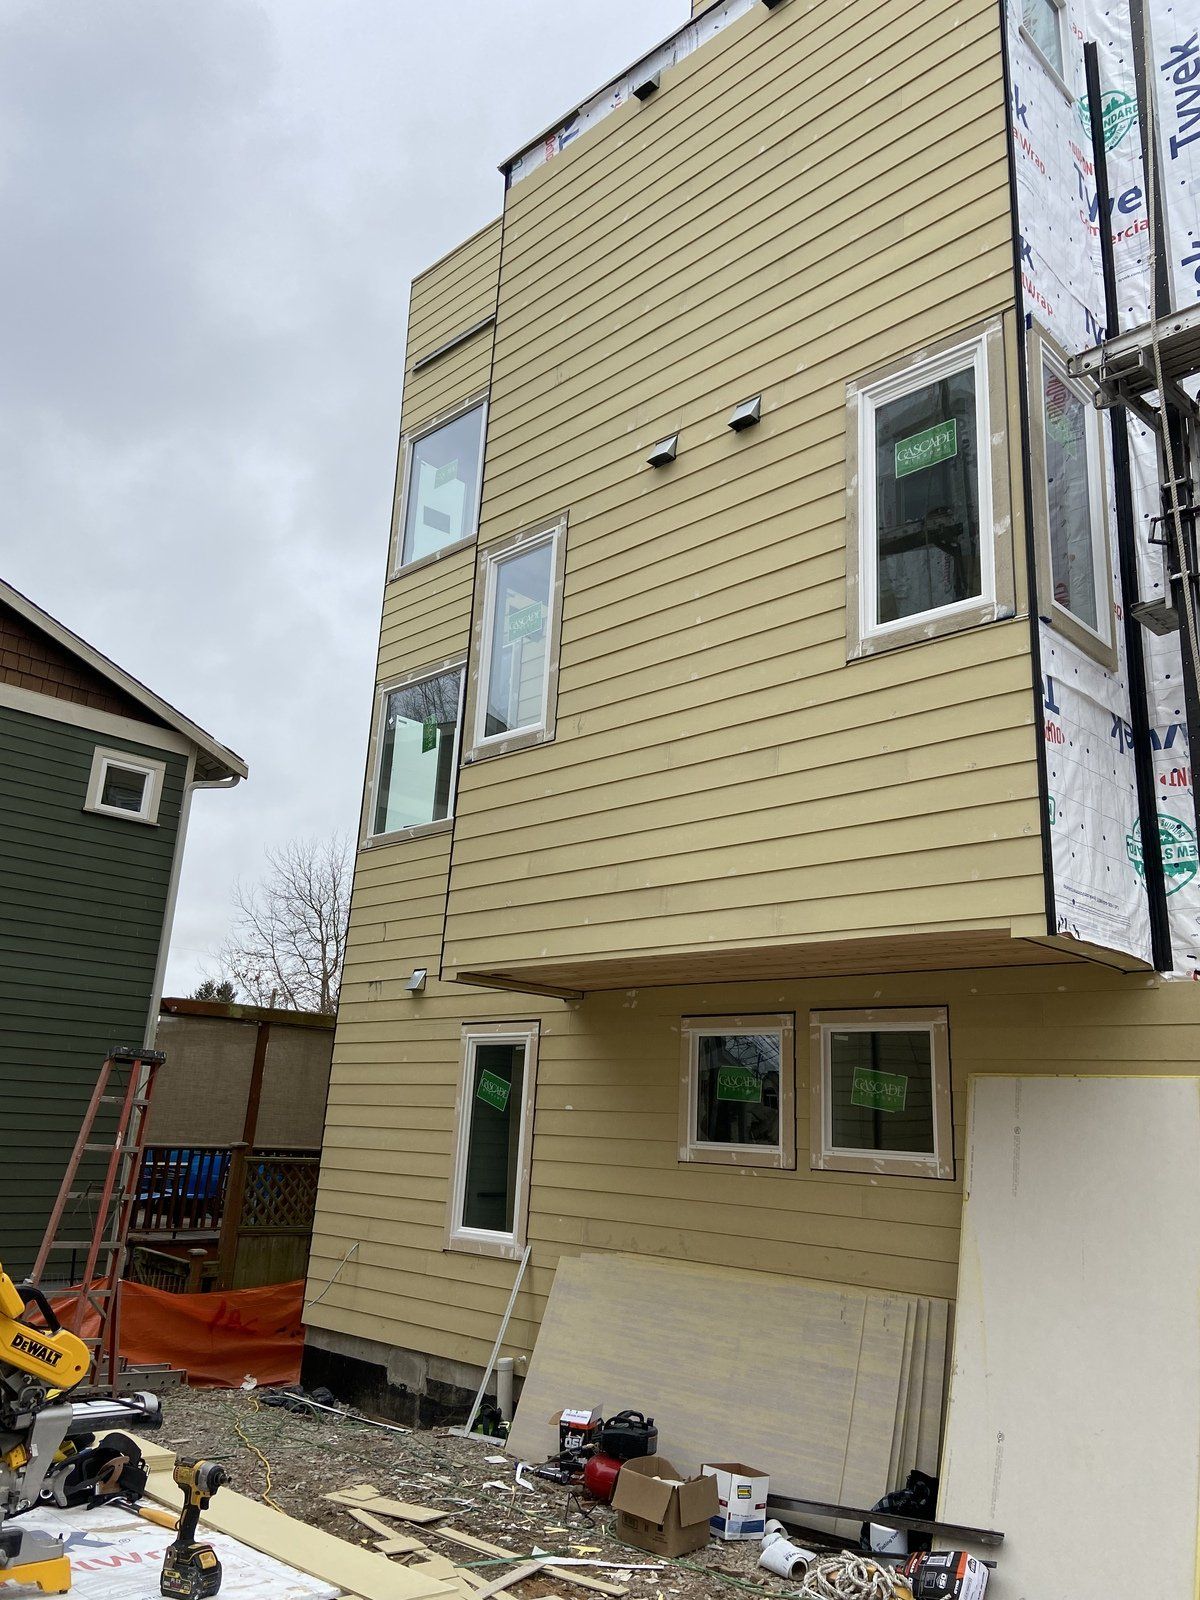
x=836, y=1391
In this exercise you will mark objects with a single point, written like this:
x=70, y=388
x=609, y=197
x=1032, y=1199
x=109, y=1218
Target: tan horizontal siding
x=606, y=1174
x=455, y=292
x=719, y=773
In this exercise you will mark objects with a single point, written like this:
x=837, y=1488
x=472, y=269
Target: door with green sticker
x=494, y=1117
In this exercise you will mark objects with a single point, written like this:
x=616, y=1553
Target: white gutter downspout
x=190, y=785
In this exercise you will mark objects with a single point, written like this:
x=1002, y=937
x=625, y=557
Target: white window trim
x=479, y=1241
x=1100, y=644
x=1064, y=39
x=972, y=353
x=885, y=1163
x=398, y=567
x=154, y=772
x=367, y=838
x=780, y=1157
x=491, y=559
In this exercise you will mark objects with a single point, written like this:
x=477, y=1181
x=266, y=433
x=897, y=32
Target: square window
x=489, y=1197
x=416, y=767
x=1044, y=23
x=929, y=538
x=881, y=1092
x=516, y=669
x=1074, y=562
x=738, y=1091
x=120, y=785
x=124, y=788
x=443, y=468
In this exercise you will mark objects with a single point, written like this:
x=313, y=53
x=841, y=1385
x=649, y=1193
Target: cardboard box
x=741, y=1498
x=661, y=1511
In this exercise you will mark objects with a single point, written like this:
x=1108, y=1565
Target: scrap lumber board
x=469, y=1542
x=517, y=1575
x=361, y=1573
x=839, y=1383
x=1075, y=1393
x=382, y=1506
x=403, y=1543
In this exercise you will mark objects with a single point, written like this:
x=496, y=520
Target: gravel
x=312, y=1454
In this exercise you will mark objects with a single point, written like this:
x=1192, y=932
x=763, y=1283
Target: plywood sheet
x=780, y=1372
x=1074, y=1406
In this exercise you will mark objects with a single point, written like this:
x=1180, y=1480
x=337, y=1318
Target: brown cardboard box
x=661, y=1511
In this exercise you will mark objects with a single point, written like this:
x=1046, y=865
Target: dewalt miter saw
x=48, y=1451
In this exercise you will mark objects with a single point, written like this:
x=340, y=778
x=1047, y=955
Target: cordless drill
x=191, y=1571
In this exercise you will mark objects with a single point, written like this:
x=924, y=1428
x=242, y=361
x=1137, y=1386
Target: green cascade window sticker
x=524, y=623
x=1181, y=860
x=1119, y=112
x=429, y=733
x=878, y=1091
x=926, y=449
x=493, y=1090
x=739, y=1083
x=446, y=474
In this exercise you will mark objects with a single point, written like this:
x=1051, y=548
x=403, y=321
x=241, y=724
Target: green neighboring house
x=96, y=778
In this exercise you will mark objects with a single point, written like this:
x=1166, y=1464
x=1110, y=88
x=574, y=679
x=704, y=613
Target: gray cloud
x=212, y=212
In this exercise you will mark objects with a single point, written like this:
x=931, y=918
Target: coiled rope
x=852, y=1577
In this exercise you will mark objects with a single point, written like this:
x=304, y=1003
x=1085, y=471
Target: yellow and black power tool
x=191, y=1570
x=47, y=1442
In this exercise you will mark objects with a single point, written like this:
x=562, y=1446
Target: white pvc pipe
x=504, y=1387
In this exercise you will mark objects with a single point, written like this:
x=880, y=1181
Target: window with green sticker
x=881, y=1092
x=417, y=759
x=441, y=486
x=740, y=1090
x=488, y=1199
x=515, y=673
x=929, y=495
x=927, y=498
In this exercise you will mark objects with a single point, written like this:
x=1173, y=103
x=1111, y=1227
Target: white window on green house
x=490, y=1191
x=880, y=1092
x=120, y=785
x=1045, y=23
x=443, y=468
x=517, y=669
x=1074, y=562
x=929, y=536
x=416, y=762
x=737, y=1083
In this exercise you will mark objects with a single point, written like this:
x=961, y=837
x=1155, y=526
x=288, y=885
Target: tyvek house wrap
x=1100, y=892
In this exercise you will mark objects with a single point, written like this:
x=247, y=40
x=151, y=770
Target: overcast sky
x=211, y=213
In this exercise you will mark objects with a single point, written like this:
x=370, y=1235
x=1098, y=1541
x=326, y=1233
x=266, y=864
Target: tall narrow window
x=442, y=472
x=517, y=667
x=417, y=753
x=738, y=1081
x=928, y=498
x=489, y=1197
x=881, y=1092
x=1044, y=23
x=1074, y=562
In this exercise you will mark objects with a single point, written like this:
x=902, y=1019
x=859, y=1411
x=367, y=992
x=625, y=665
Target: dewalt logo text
x=33, y=1347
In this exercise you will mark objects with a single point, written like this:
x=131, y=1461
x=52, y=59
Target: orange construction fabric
x=218, y=1339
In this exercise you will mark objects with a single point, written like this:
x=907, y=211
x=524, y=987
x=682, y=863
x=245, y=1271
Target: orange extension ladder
x=126, y=1080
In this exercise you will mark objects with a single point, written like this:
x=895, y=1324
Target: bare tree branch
x=288, y=940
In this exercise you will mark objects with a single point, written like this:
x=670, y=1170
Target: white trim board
x=15, y=698
x=1077, y=1343
x=215, y=760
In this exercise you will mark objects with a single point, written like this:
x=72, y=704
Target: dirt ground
x=311, y=1455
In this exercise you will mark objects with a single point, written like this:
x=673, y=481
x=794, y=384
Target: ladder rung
x=107, y=1149
x=75, y=1244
